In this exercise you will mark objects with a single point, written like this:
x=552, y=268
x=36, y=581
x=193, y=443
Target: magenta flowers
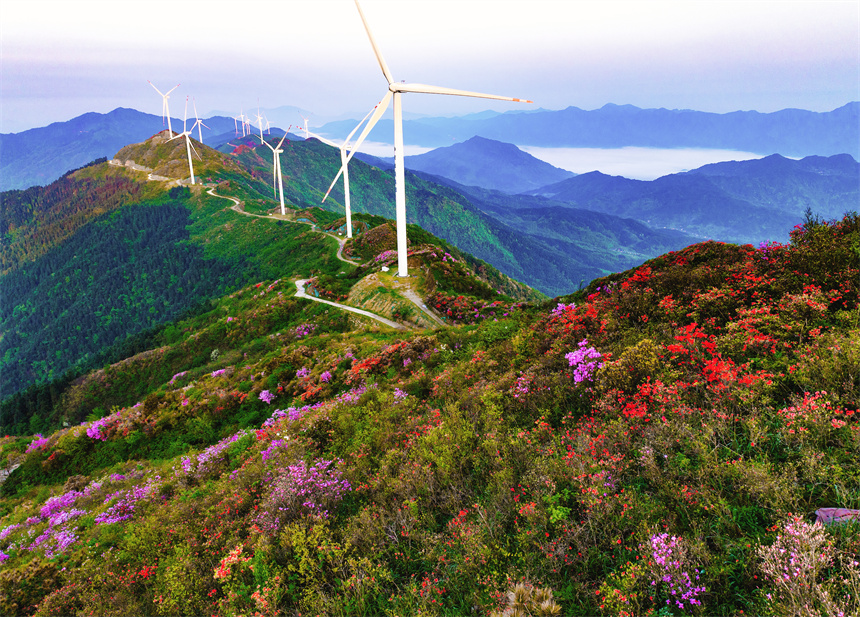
x=585, y=361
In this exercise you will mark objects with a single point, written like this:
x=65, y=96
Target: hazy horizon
x=62, y=59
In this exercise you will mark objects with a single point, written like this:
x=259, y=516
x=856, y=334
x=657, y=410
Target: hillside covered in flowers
x=655, y=444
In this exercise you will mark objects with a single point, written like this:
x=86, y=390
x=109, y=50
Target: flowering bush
x=670, y=571
x=584, y=361
x=301, y=489
x=39, y=443
x=305, y=330
x=795, y=568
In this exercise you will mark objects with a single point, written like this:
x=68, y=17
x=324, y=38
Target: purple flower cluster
x=177, y=376
x=399, y=394
x=580, y=360
x=7, y=530
x=58, y=513
x=277, y=444
x=124, y=508
x=521, y=388
x=267, y=397
x=292, y=414
x=59, y=503
x=352, y=396
x=306, y=329
x=561, y=308
x=39, y=443
x=325, y=377
x=219, y=372
x=303, y=372
x=767, y=249
x=302, y=489
x=94, y=430
x=667, y=553
x=385, y=255
x=207, y=462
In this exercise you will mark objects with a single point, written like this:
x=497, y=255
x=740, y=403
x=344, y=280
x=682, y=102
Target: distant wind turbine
x=199, y=123
x=306, y=126
x=395, y=90
x=188, y=147
x=165, y=111
x=276, y=167
x=344, y=170
x=260, y=122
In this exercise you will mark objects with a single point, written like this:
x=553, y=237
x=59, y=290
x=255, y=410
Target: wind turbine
x=306, y=126
x=188, y=147
x=395, y=90
x=165, y=112
x=199, y=124
x=276, y=167
x=343, y=169
x=260, y=122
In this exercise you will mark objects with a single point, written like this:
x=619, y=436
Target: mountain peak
x=488, y=163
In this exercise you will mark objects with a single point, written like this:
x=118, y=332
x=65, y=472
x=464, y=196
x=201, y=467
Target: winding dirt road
x=300, y=293
x=300, y=284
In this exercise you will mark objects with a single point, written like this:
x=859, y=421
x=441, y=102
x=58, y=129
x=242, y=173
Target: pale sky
x=62, y=58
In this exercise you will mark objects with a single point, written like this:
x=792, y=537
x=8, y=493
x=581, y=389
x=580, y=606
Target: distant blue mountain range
x=790, y=132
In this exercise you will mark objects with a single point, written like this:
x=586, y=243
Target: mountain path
x=300, y=293
x=300, y=284
x=410, y=294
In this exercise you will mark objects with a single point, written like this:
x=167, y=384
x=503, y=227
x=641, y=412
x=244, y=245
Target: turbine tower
x=188, y=147
x=276, y=167
x=343, y=169
x=395, y=90
x=165, y=112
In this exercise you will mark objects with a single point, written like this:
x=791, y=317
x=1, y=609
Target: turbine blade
x=327, y=142
x=156, y=89
x=376, y=51
x=357, y=126
x=425, y=89
x=280, y=143
x=333, y=182
x=190, y=143
x=377, y=114
x=172, y=89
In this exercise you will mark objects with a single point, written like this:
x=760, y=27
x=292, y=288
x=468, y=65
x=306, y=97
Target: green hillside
x=444, y=212
x=655, y=444
x=98, y=261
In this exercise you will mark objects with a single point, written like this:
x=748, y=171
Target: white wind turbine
x=395, y=90
x=188, y=147
x=276, y=167
x=240, y=118
x=165, y=111
x=260, y=123
x=306, y=126
x=344, y=170
x=199, y=123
